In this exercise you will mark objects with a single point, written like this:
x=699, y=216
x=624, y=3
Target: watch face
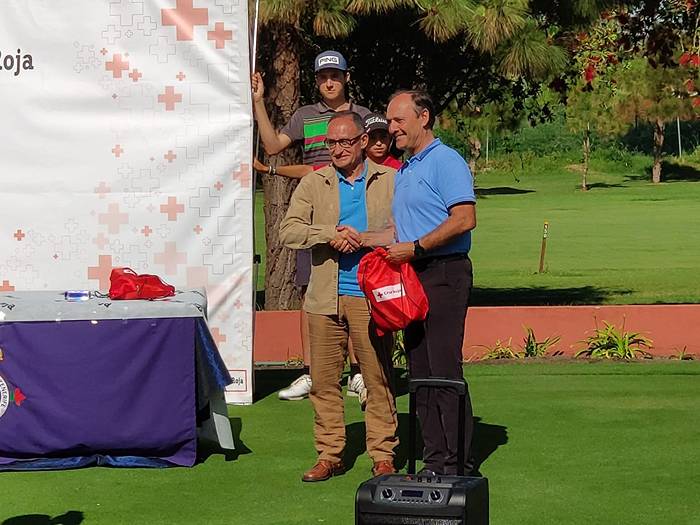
x=418, y=249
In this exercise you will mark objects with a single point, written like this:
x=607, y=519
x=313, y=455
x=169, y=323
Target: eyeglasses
x=343, y=143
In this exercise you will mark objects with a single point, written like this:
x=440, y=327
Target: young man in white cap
x=307, y=127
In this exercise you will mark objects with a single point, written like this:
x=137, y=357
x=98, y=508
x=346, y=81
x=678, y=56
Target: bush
x=549, y=139
x=531, y=347
x=534, y=348
x=611, y=343
x=501, y=351
x=683, y=355
x=640, y=138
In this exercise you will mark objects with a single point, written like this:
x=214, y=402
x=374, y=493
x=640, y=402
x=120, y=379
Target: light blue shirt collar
x=421, y=155
x=362, y=176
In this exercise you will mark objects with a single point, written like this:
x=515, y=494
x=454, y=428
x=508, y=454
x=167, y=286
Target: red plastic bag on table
x=125, y=283
x=395, y=294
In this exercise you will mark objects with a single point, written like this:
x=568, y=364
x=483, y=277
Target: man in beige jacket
x=339, y=212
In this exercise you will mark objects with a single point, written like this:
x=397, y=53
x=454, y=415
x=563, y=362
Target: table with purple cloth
x=119, y=383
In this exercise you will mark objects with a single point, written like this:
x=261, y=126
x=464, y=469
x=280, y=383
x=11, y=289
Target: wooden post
x=487, y=146
x=544, y=245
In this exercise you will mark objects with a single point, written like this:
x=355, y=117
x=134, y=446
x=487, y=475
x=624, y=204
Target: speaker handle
x=435, y=382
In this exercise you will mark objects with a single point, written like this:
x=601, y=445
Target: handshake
x=349, y=240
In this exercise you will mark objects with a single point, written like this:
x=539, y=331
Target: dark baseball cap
x=330, y=60
x=375, y=121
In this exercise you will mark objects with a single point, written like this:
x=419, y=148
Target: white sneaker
x=356, y=387
x=299, y=389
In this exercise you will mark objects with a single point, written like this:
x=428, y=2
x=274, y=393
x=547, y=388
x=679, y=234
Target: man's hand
x=400, y=252
x=258, y=87
x=346, y=240
x=381, y=238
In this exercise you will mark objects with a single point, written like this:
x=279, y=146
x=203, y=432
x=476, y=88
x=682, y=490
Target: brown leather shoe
x=383, y=467
x=323, y=470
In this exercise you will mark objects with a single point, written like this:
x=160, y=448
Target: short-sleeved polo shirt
x=426, y=186
x=353, y=212
x=310, y=125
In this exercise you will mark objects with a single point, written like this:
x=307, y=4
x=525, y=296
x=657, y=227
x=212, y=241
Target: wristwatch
x=418, y=250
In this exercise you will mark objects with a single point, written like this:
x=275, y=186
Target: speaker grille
x=366, y=518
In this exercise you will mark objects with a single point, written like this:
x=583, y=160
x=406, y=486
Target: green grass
x=625, y=241
x=573, y=443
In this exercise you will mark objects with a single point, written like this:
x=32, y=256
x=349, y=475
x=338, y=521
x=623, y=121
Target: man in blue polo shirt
x=434, y=212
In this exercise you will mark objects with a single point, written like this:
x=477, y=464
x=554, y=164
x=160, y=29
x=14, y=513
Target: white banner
x=127, y=142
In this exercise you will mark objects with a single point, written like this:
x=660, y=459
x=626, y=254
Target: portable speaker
x=409, y=499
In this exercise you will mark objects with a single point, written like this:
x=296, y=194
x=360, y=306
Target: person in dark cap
x=379, y=147
x=307, y=127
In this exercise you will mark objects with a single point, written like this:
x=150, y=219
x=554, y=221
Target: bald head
x=346, y=140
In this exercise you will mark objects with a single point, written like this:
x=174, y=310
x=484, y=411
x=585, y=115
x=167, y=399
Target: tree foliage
x=451, y=47
x=621, y=77
x=468, y=52
x=657, y=95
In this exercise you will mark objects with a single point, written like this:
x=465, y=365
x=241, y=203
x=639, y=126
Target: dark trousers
x=434, y=349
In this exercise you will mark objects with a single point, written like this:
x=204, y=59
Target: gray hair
x=421, y=101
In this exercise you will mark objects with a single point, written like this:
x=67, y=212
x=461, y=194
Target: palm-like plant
x=530, y=53
x=534, y=348
x=486, y=24
x=501, y=350
x=442, y=20
x=494, y=21
x=329, y=18
x=683, y=355
x=366, y=7
x=610, y=343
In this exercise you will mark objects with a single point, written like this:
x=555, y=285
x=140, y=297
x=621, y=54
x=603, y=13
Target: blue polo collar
x=421, y=155
x=362, y=176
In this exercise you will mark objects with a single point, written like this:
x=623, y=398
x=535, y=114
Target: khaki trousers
x=328, y=336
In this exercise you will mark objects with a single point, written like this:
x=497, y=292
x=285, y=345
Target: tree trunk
x=474, y=152
x=282, y=97
x=586, y=157
x=658, y=150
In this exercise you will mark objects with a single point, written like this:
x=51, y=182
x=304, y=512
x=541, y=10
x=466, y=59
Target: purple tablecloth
x=119, y=392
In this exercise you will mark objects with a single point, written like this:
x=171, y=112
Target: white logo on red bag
x=387, y=293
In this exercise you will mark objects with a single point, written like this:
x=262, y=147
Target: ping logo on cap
x=322, y=61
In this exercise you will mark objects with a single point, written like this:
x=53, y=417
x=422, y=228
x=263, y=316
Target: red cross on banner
x=185, y=17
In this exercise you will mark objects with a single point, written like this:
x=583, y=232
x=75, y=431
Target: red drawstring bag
x=125, y=283
x=395, y=294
